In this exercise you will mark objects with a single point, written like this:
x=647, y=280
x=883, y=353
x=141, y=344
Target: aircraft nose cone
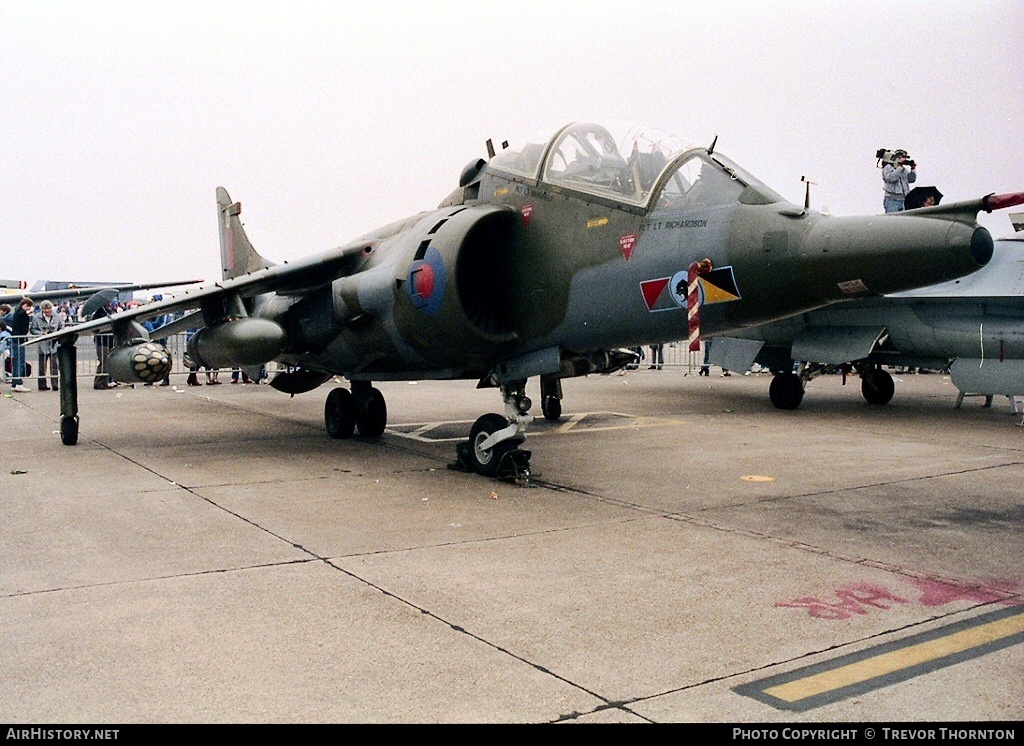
x=981, y=246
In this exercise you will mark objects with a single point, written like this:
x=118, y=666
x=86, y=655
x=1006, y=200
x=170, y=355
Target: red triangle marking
x=652, y=289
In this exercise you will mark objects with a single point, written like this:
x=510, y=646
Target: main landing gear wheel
x=486, y=461
x=68, y=430
x=786, y=391
x=371, y=414
x=340, y=414
x=877, y=386
x=552, y=408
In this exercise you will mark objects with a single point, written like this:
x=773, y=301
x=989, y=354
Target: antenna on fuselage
x=807, y=193
x=713, y=143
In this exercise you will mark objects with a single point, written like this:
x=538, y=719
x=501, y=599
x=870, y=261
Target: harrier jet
x=548, y=260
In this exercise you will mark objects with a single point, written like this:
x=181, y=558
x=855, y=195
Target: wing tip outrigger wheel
x=69, y=430
x=67, y=365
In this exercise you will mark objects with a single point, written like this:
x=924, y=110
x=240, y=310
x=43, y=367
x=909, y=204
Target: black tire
x=877, y=387
x=552, y=408
x=340, y=414
x=372, y=415
x=69, y=430
x=786, y=391
x=487, y=462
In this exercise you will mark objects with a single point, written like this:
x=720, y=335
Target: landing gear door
x=733, y=354
x=833, y=345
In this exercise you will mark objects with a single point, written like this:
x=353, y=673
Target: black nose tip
x=981, y=246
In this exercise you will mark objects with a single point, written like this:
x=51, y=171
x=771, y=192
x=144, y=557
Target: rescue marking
x=597, y=222
x=883, y=665
x=527, y=212
x=757, y=478
x=626, y=244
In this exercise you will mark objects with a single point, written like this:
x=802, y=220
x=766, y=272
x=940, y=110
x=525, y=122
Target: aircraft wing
x=286, y=278
x=967, y=210
x=79, y=292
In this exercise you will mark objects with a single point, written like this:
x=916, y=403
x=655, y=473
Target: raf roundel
x=427, y=281
x=423, y=280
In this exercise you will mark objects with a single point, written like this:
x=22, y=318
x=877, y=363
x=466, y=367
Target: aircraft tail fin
x=237, y=256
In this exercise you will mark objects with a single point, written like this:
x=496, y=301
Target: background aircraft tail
x=237, y=256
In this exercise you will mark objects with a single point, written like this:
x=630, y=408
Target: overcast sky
x=119, y=120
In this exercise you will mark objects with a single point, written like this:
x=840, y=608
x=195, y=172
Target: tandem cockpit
x=643, y=168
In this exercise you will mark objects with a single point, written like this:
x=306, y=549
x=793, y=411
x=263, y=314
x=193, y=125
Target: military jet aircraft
x=974, y=326
x=542, y=260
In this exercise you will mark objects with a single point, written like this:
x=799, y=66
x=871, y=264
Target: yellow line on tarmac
x=897, y=660
x=573, y=422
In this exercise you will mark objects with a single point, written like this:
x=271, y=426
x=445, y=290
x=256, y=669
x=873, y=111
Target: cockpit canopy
x=626, y=162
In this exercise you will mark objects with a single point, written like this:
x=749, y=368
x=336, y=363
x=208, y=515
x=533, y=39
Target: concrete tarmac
x=689, y=554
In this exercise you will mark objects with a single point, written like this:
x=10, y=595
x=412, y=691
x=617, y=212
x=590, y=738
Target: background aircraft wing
x=79, y=292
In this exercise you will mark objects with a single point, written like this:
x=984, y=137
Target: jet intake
x=148, y=362
x=453, y=297
x=238, y=343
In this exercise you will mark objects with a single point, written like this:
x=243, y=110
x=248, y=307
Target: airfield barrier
x=676, y=355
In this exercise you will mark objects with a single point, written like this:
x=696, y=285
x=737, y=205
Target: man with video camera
x=896, y=178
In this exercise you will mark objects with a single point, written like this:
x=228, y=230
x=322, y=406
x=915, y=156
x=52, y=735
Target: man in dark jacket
x=20, y=320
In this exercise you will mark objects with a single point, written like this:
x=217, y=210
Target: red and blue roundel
x=426, y=282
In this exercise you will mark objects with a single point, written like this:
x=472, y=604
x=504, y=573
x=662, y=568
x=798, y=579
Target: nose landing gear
x=493, y=446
